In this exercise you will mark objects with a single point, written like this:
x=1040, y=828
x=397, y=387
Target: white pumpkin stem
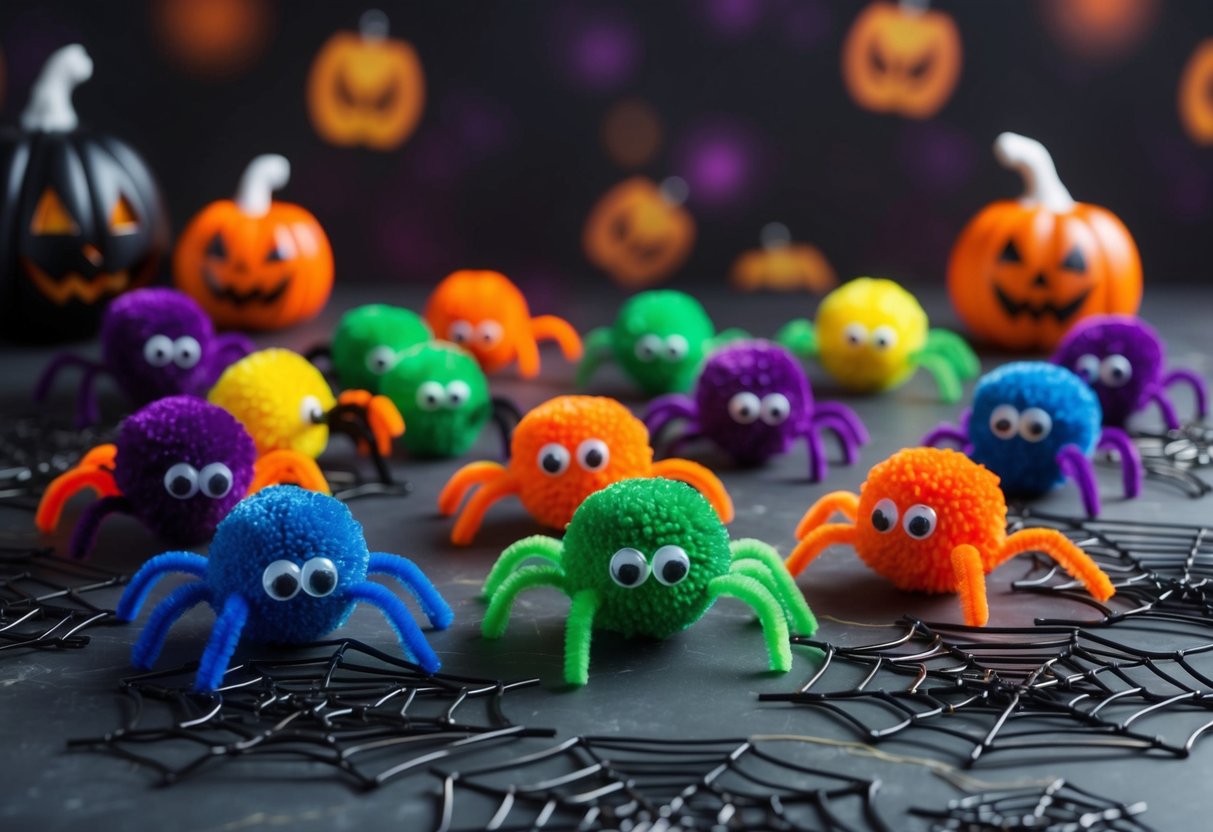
x=50, y=107
x=914, y=7
x=264, y=175
x=775, y=235
x=373, y=25
x=1031, y=160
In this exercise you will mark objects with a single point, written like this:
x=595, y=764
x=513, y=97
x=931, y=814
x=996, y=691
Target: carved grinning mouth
x=238, y=298
x=382, y=101
x=74, y=286
x=1059, y=313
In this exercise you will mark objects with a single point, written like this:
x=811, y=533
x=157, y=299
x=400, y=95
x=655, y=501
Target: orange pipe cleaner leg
x=816, y=541
x=382, y=416
x=843, y=502
x=463, y=481
x=971, y=585
x=702, y=480
x=469, y=521
x=287, y=466
x=1069, y=557
x=551, y=328
x=93, y=471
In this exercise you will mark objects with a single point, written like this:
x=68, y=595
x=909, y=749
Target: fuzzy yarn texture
x=660, y=338
x=369, y=339
x=443, y=396
x=1090, y=342
x=869, y=304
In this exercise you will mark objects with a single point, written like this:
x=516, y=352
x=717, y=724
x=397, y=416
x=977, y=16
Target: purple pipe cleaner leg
x=85, y=534
x=1130, y=459
x=1169, y=417
x=817, y=459
x=1075, y=464
x=846, y=440
x=844, y=415
x=1199, y=390
x=944, y=433
x=87, y=412
x=665, y=409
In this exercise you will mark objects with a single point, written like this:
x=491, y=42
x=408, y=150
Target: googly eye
x=1004, y=421
x=187, y=352
x=1087, y=367
x=319, y=577
x=919, y=521
x=593, y=454
x=215, y=480
x=648, y=347
x=1115, y=371
x=629, y=569
x=158, y=351
x=671, y=565
x=676, y=348
x=884, y=515
x=460, y=332
x=430, y=395
x=381, y=359
x=457, y=394
x=553, y=459
x=775, y=408
x=489, y=333
x=181, y=481
x=1035, y=424
x=744, y=408
x=310, y=411
x=884, y=337
x=280, y=580
x=855, y=335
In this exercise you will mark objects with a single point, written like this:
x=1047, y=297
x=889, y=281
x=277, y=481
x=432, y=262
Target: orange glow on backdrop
x=1099, y=30
x=631, y=133
x=212, y=38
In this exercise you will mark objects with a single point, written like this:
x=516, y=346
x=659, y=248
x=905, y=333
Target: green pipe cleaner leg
x=944, y=373
x=774, y=627
x=498, y=616
x=785, y=589
x=956, y=350
x=799, y=617
x=598, y=351
x=798, y=337
x=536, y=546
x=577, y=636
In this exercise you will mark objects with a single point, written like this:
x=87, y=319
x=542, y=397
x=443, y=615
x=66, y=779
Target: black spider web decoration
x=47, y=601
x=368, y=716
x=34, y=450
x=612, y=783
x=1173, y=455
x=1058, y=807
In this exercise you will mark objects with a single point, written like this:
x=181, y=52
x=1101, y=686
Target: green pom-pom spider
x=369, y=341
x=647, y=557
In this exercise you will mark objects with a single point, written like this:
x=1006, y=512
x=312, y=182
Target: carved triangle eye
x=1010, y=254
x=1075, y=262
x=51, y=216
x=123, y=219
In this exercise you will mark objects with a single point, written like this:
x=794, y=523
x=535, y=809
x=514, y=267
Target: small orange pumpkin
x=212, y=38
x=638, y=232
x=1099, y=30
x=902, y=58
x=253, y=263
x=783, y=265
x=1195, y=101
x=365, y=88
x=1024, y=271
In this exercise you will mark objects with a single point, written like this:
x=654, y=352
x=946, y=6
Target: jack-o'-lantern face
x=366, y=88
x=1196, y=94
x=901, y=60
x=638, y=233
x=783, y=266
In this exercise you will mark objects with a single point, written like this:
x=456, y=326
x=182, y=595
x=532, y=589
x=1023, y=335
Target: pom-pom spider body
x=369, y=341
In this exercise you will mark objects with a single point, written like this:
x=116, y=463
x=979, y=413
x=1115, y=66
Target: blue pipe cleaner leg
x=1075, y=464
x=436, y=609
x=409, y=634
x=152, y=571
x=1200, y=391
x=85, y=533
x=1130, y=458
x=817, y=459
x=225, y=635
x=151, y=640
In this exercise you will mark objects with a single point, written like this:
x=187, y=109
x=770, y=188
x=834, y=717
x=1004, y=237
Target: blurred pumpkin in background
x=212, y=39
x=1099, y=30
x=1022, y=272
x=902, y=58
x=365, y=88
x=1196, y=94
x=638, y=232
x=782, y=265
x=251, y=262
x=83, y=219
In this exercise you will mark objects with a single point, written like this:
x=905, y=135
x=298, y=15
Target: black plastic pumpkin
x=81, y=218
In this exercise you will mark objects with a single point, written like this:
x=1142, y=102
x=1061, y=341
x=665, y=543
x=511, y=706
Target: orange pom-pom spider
x=563, y=451
x=932, y=520
x=485, y=313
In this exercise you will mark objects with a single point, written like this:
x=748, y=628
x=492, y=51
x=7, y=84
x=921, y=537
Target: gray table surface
x=701, y=683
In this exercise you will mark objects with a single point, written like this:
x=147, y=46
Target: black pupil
x=1117, y=372
x=180, y=486
x=628, y=574
x=284, y=585
x=1036, y=428
x=551, y=463
x=593, y=458
x=919, y=526
x=432, y=398
x=673, y=571
x=880, y=521
x=1003, y=425
x=322, y=581
x=217, y=483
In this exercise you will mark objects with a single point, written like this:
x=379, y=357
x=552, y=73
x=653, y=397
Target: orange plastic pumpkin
x=366, y=88
x=902, y=58
x=251, y=262
x=1195, y=101
x=638, y=232
x=212, y=38
x=1024, y=271
x=783, y=265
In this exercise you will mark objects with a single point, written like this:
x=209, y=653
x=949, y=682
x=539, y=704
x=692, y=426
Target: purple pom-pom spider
x=753, y=400
x=1124, y=360
x=154, y=343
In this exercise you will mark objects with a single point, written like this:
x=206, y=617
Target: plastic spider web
x=35, y=450
x=1173, y=456
x=369, y=716
x=1058, y=807
x=622, y=783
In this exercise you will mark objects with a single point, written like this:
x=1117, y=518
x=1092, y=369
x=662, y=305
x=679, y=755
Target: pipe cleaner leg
x=288, y=466
x=846, y=424
x=956, y=351
x=798, y=337
x=845, y=503
x=971, y=585
x=945, y=375
x=598, y=351
x=1077, y=563
x=770, y=613
x=817, y=541
x=411, y=639
x=85, y=533
x=464, y=480
x=702, y=480
x=780, y=583
x=94, y=471
x=225, y=635
x=536, y=546
x=1169, y=417
x=551, y=328
x=147, y=649
x=435, y=607
x=817, y=457
x=141, y=584
x=87, y=411
x=528, y=577
x=526, y=352
x=666, y=409
x=506, y=416
x=945, y=433
x=1075, y=465
x=578, y=633
x=1200, y=391
x=1130, y=458
x=468, y=522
